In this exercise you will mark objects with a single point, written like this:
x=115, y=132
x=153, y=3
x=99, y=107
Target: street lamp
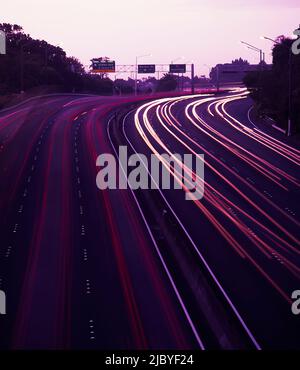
x=115, y=87
x=178, y=75
x=261, y=53
x=136, y=69
x=288, y=133
x=268, y=38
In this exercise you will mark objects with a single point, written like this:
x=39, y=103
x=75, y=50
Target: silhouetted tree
x=269, y=89
x=43, y=64
x=167, y=83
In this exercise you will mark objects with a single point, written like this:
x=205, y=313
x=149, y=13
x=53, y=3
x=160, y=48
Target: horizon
x=182, y=27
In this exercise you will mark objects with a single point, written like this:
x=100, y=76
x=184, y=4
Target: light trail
x=171, y=125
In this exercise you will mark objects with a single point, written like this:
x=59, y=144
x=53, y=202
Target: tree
x=43, y=64
x=167, y=83
x=270, y=89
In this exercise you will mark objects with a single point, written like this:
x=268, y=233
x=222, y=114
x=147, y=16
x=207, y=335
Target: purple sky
x=205, y=31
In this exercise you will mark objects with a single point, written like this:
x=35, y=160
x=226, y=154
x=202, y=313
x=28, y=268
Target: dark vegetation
x=32, y=67
x=270, y=88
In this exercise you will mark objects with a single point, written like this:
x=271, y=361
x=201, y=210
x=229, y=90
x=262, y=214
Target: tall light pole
x=114, y=85
x=136, y=69
x=261, y=60
x=288, y=132
x=178, y=75
x=260, y=51
x=191, y=63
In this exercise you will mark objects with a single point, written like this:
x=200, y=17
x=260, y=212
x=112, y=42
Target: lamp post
x=115, y=87
x=136, y=70
x=261, y=62
x=191, y=62
x=260, y=51
x=178, y=75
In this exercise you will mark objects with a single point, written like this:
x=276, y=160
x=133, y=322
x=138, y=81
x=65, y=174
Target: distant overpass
x=235, y=72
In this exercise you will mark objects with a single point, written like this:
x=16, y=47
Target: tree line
x=30, y=63
x=276, y=92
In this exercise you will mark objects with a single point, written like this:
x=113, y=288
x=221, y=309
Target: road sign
x=146, y=68
x=177, y=68
x=2, y=42
x=99, y=66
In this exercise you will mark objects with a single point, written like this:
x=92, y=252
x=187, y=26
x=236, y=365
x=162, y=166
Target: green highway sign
x=100, y=66
x=146, y=68
x=177, y=68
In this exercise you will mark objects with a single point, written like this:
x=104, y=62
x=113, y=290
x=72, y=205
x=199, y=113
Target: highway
x=120, y=269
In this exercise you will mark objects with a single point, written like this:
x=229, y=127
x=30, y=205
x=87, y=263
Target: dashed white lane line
x=250, y=180
x=85, y=254
x=277, y=258
x=230, y=210
x=290, y=211
x=268, y=194
x=25, y=193
x=88, y=286
x=92, y=329
x=83, y=233
x=8, y=251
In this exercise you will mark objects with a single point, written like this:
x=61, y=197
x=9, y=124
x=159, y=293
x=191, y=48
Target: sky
x=207, y=32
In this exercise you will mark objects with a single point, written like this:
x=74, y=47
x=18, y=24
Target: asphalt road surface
x=84, y=268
